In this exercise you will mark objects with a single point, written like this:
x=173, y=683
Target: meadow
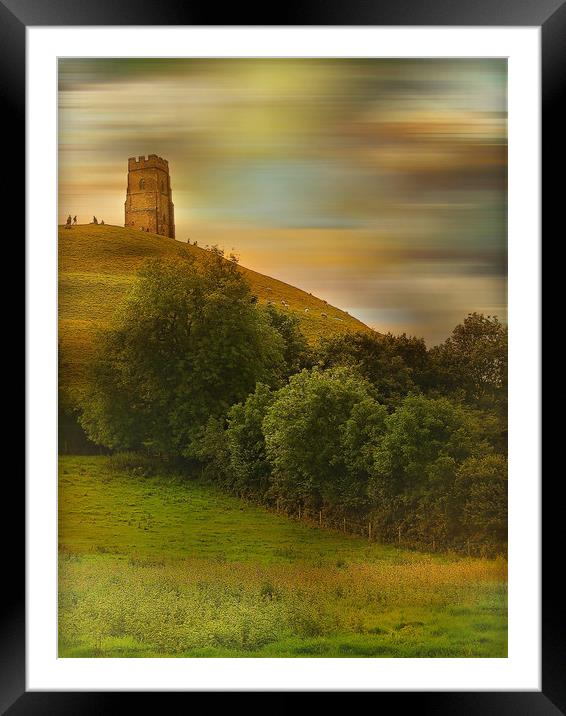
x=165, y=566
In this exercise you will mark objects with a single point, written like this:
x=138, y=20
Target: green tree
x=416, y=462
x=394, y=365
x=312, y=432
x=212, y=451
x=473, y=362
x=187, y=343
x=249, y=468
x=482, y=486
x=297, y=353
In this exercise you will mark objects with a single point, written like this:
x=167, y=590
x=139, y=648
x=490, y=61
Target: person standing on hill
x=94, y=220
x=74, y=220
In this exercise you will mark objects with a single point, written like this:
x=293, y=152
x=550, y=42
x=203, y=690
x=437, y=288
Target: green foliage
x=473, y=362
x=324, y=442
x=187, y=344
x=419, y=433
x=416, y=464
x=249, y=469
x=297, y=353
x=212, y=451
x=312, y=432
x=394, y=365
x=482, y=483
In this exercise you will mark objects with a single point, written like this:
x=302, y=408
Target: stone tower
x=148, y=203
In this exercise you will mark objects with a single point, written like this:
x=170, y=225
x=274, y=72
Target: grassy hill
x=97, y=266
x=166, y=566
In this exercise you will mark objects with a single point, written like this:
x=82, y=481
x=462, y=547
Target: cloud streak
x=380, y=183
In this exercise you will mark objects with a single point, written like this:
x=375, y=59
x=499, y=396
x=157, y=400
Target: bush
x=248, y=464
x=482, y=485
x=212, y=451
x=313, y=430
x=416, y=463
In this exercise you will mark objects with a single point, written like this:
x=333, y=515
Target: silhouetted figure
x=69, y=220
x=102, y=221
x=74, y=219
x=94, y=220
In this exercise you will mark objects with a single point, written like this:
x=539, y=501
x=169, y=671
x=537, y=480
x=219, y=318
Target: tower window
x=142, y=183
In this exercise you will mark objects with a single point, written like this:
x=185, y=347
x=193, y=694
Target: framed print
x=282, y=406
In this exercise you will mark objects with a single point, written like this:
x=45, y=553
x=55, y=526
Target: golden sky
x=378, y=185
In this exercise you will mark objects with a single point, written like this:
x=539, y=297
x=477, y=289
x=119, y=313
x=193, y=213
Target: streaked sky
x=378, y=185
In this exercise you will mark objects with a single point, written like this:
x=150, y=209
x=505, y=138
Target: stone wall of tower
x=149, y=204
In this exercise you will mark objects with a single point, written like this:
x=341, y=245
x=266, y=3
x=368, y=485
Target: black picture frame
x=550, y=16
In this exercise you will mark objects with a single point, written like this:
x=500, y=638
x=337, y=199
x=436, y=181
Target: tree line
x=364, y=426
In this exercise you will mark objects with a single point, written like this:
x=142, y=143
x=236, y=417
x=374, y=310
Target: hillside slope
x=97, y=266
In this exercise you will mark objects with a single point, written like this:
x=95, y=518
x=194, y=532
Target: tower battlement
x=149, y=205
x=152, y=161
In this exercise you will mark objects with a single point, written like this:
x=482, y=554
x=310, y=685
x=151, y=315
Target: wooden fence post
x=399, y=534
x=369, y=531
x=299, y=513
x=468, y=547
x=320, y=518
x=344, y=525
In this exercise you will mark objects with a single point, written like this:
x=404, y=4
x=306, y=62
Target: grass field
x=161, y=566
x=97, y=265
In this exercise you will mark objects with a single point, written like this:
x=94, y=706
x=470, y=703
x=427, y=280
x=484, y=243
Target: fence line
x=367, y=529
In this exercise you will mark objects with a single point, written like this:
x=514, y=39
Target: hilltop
x=97, y=266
